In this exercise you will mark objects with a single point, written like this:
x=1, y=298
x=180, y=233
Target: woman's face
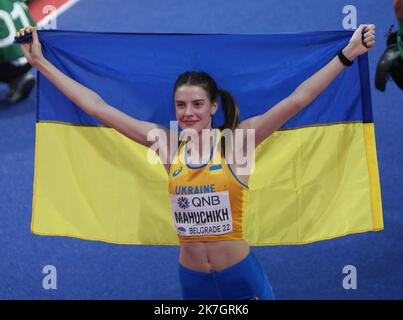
x=193, y=108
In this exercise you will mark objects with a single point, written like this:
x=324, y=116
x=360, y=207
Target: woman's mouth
x=189, y=123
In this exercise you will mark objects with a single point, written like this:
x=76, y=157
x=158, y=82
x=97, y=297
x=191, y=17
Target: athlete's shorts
x=245, y=280
x=400, y=38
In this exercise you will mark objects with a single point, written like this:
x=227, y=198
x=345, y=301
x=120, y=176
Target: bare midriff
x=212, y=255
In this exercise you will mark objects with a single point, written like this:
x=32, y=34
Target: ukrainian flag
x=316, y=178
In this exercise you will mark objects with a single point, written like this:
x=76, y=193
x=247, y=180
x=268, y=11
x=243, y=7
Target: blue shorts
x=245, y=280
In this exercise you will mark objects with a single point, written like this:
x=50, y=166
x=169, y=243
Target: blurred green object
x=9, y=26
x=390, y=64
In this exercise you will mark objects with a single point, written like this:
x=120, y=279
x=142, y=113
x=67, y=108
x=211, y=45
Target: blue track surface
x=94, y=270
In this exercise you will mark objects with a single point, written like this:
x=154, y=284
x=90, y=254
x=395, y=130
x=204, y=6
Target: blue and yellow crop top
x=207, y=201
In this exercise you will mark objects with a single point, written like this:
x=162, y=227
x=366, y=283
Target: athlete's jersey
x=207, y=201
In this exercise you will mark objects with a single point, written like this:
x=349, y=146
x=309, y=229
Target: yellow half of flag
x=309, y=184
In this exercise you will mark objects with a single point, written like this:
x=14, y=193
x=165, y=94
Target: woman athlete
x=215, y=260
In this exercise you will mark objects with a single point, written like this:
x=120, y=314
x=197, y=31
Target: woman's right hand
x=32, y=50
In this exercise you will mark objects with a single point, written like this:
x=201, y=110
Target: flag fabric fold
x=316, y=178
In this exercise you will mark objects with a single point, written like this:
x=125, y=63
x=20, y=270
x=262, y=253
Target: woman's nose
x=188, y=111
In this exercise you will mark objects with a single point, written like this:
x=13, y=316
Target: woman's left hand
x=360, y=43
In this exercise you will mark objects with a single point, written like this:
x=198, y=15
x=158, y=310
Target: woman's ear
x=214, y=108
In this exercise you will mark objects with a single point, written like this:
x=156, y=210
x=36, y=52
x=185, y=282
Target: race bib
x=203, y=214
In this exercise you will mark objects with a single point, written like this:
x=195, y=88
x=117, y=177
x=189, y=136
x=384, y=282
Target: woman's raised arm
x=272, y=120
x=83, y=97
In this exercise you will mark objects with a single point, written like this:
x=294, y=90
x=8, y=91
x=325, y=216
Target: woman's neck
x=201, y=145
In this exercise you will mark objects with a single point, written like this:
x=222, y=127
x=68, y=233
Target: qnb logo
x=183, y=203
x=206, y=201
